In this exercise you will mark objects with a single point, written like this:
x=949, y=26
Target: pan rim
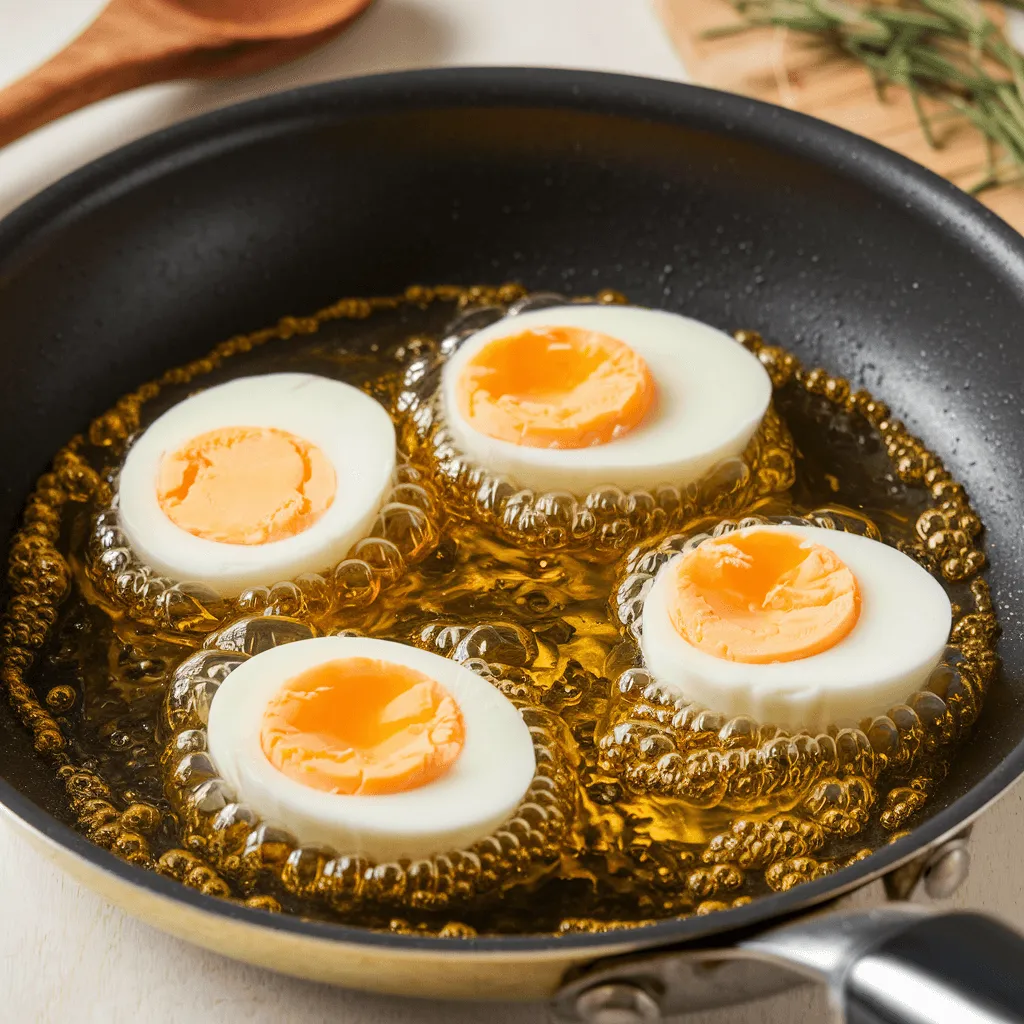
x=598, y=93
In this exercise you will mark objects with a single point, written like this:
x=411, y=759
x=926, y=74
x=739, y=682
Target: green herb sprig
x=948, y=50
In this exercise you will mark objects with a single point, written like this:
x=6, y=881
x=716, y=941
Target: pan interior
x=721, y=210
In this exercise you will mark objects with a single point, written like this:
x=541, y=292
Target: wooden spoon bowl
x=140, y=42
x=259, y=19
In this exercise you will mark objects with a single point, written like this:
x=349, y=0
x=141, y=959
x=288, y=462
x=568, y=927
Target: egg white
x=353, y=431
x=479, y=792
x=711, y=397
x=897, y=641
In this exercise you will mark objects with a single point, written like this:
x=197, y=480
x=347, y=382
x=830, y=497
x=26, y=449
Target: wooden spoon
x=139, y=42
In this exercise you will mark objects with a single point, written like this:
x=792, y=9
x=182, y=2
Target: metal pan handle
x=957, y=967
x=898, y=965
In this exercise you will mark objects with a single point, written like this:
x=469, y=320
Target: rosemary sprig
x=948, y=50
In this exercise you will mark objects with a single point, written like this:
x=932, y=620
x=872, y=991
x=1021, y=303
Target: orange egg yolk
x=758, y=596
x=555, y=387
x=246, y=485
x=362, y=726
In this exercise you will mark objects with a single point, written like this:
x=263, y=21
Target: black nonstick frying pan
x=737, y=213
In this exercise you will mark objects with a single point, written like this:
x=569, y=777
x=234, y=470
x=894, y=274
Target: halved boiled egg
x=257, y=481
x=574, y=397
x=370, y=747
x=801, y=627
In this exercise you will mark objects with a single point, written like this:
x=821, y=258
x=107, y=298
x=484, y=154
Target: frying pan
x=735, y=212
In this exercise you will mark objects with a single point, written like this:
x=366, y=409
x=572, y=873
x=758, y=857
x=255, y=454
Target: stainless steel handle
x=899, y=964
x=956, y=968
x=902, y=964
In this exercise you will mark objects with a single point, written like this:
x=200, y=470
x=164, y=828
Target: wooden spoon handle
x=109, y=57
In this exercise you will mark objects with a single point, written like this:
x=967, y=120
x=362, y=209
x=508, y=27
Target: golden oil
x=92, y=651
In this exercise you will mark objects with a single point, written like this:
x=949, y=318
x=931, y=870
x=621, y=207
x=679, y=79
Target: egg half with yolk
x=257, y=481
x=800, y=627
x=576, y=397
x=370, y=747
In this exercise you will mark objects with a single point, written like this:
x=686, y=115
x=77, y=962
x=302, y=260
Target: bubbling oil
x=605, y=520
x=98, y=670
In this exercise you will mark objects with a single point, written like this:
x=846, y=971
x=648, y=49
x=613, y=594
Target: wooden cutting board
x=793, y=71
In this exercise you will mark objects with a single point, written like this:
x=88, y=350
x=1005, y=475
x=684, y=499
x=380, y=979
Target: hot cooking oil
x=93, y=639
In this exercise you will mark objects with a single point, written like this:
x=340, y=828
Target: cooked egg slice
x=572, y=398
x=370, y=747
x=257, y=481
x=800, y=627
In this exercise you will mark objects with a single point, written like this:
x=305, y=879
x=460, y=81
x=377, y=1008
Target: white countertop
x=66, y=955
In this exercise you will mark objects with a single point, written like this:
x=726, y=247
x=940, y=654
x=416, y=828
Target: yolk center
x=760, y=595
x=364, y=727
x=555, y=387
x=246, y=485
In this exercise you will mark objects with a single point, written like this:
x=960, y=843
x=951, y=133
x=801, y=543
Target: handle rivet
x=947, y=870
x=619, y=1003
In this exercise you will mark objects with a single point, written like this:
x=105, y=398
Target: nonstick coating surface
x=737, y=213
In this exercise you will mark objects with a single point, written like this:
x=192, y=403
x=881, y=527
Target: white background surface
x=65, y=955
